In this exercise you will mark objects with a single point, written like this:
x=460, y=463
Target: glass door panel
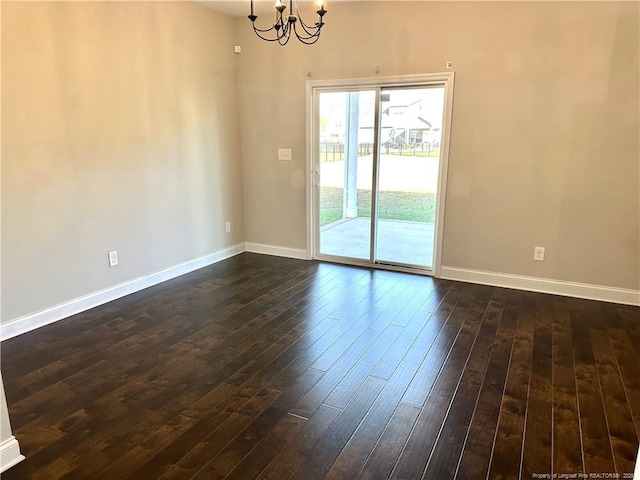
x=410, y=138
x=346, y=124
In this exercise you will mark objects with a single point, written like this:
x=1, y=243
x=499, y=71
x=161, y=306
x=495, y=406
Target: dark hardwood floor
x=272, y=368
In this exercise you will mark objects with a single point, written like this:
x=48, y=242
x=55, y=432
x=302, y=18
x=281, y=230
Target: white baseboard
x=277, y=251
x=35, y=320
x=543, y=285
x=9, y=454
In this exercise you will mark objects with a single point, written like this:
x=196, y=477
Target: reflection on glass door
x=345, y=170
x=410, y=135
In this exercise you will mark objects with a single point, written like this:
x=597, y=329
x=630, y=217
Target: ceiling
x=240, y=8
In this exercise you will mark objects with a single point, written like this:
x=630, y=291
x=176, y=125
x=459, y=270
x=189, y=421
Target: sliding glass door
x=378, y=157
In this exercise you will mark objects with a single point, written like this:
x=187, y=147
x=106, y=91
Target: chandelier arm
x=309, y=40
x=277, y=37
x=267, y=38
x=304, y=42
x=284, y=39
x=309, y=35
x=315, y=25
x=312, y=31
x=263, y=30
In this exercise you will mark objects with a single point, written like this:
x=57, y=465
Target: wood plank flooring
x=272, y=368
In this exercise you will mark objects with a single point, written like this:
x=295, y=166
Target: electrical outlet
x=284, y=154
x=538, y=254
x=113, y=258
x=227, y=227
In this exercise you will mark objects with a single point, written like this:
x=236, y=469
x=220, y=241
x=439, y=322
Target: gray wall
x=119, y=132
x=544, y=147
x=132, y=126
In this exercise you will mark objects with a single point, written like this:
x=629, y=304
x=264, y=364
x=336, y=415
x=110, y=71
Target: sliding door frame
x=314, y=87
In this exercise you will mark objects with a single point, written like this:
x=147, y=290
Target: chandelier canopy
x=290, y=22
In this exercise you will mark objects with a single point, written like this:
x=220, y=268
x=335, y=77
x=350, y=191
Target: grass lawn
x=414, y=207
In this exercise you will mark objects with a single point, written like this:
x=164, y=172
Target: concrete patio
x=399, y=242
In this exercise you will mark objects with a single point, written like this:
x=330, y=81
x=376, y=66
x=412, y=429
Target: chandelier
x=286, y=23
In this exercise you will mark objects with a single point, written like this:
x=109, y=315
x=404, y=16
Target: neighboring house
x=401, y=123
x=406, y=124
